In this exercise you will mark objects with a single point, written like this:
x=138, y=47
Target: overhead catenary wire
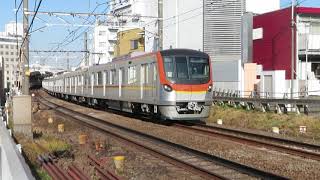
x=27, y=33
x=71, y=34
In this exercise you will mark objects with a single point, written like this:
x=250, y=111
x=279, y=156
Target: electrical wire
x=72, y=34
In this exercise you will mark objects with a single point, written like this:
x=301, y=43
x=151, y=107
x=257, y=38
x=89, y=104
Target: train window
x=89, y=79
x=92, y=82
x=100, y=78
x=95, y=78
x=169, y=66
x=154, y=72
x=199, y=68
x=148, y=73
x=105, y=77
x=113, y=76
x=132, y=74
x=79, y=80
x=182, y=67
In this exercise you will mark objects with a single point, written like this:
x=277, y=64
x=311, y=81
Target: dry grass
x=47, y=145
x=288, y=124
x=32, y=149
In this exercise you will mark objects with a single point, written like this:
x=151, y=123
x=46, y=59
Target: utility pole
x=25, y=49
x=160, y=24
x=177, y=24
x=293, y=4
x=307, y=56
x=86, y=49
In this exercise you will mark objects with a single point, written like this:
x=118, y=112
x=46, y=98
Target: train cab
x=185, y=78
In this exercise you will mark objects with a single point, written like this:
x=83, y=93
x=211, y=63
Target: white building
x=9, y=55
x=183, y=24
x=13, y=29
x=222, y=38
x=104, y=40
x=260, y=7
x=139, y=14
x=129, y=14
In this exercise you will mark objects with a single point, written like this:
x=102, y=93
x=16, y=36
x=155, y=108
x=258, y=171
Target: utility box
x=21, y=115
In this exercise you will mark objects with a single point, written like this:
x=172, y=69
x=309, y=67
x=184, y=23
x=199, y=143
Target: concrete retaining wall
x=12, y=163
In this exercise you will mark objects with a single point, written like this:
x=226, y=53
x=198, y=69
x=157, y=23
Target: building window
x=102, y=44
x=1, y=53
x=134, y=44
x=17, y=59
x=7, y=47
x=11, y=53
x=7, y=53
x=11, y=47
x=7, y=72
x=7, y=65
x=7, y=59
x=102, y=33
x=1, y=46
x=12, y=59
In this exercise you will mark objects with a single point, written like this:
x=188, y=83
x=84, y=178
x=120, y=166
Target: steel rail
x=98, y=124
x=261, y=136
x=253, y=140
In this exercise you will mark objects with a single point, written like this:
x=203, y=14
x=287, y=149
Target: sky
x=48, y=38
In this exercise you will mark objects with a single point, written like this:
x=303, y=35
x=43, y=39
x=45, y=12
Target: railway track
x=205, y=165
x=306, y=150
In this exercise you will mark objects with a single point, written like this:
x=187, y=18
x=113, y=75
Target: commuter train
x=173, y=84
x=36, y=78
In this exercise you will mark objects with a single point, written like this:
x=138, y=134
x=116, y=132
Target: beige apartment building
x=9, y=56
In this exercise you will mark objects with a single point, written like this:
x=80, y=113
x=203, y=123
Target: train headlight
x=167, y=88
x=210, y=88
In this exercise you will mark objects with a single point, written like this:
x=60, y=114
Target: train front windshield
x=187, y=70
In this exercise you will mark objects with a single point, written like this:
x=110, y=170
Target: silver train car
x=173, y=84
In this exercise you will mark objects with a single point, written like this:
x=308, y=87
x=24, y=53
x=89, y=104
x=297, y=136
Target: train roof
x=184, y=52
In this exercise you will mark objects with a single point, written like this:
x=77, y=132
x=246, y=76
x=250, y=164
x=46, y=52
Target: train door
x=148, y=84
x=154, y=81
x=75, y=84
x=92, y=83
x=142, y=79
x=65, y=83
x=70, y=85
x=82, y=84
x=121, y=81
x=105, y=77
x=145, y=81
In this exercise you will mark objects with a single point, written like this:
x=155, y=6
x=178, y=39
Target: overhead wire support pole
x=24, y=52
x=160, y=24
x=293, y=5
x=25, y=49
x=307, y=54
